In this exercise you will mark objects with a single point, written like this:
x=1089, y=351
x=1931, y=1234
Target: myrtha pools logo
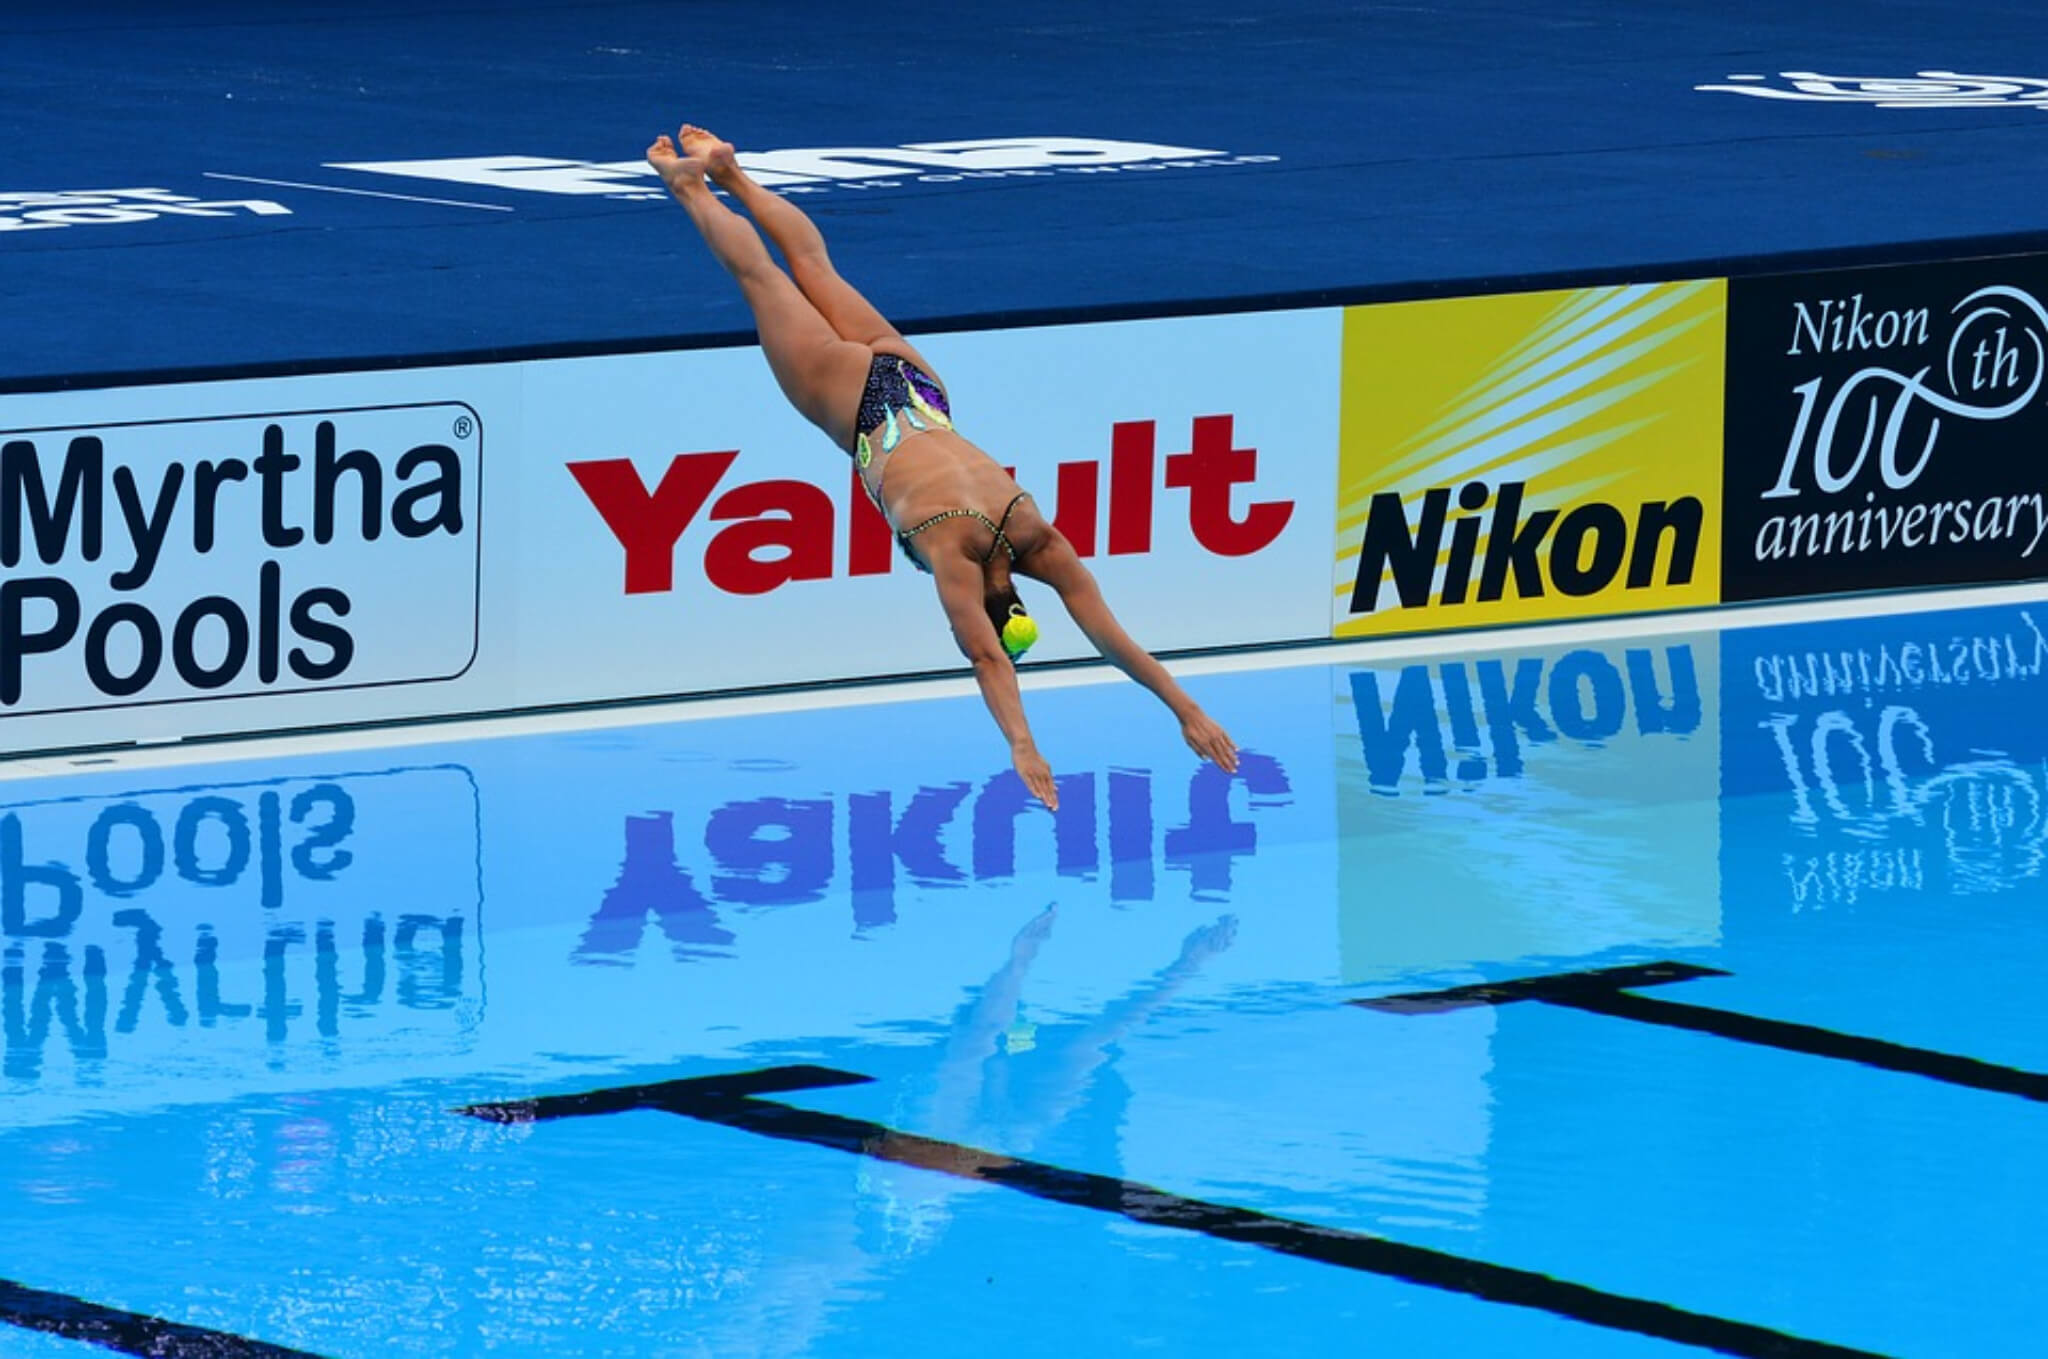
x=1927, y=90
x=182, y=559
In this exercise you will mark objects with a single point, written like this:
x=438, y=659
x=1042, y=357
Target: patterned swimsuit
x=900, y=400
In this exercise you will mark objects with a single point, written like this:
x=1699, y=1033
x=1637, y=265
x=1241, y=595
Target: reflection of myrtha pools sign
x=821, y=169
x=1886, y=428
x=1927, y=90
x=161, y=937
x=150, y=563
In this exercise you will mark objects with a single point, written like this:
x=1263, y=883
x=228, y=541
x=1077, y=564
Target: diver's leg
x=851, y=315
x=821, y=373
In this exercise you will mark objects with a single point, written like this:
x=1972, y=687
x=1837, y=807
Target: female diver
x=957, y=514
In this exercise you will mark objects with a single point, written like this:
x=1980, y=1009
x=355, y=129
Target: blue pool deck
x=287, y=1038
x=228, y=186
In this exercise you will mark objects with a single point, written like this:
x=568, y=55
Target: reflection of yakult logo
x=1881, y=425
x=782, y=852
x=187, y=558
x=1927, y=90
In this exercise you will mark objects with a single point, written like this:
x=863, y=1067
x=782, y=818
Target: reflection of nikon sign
x=185, y=559
x=1484, y=786
x=1885, y=428
x=1542, y=455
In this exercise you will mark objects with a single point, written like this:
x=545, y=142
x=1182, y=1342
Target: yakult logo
x=1887, y=419
x=798, y=520
x=1927, y=90
x=826, y=168
x=195, y=558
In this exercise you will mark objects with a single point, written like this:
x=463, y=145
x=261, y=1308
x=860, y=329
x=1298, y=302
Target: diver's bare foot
x=720, y=162
x=678, y=171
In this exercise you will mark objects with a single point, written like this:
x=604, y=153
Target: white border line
x=1360, y=652
x=360, y=193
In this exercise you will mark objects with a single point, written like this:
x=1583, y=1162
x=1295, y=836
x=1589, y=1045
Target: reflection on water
x=237, y=1012
x=1489, y=711
x=775, y=851
x=1566, y=806
x=1909, y=751
x=149, y=930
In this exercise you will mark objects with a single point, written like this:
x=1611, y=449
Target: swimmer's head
x=1006, y=614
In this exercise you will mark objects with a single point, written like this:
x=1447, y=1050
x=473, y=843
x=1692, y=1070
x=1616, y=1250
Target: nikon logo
x=1575, y=553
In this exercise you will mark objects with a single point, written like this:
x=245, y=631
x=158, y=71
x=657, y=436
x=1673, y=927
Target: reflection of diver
x=998, y=1084
x=1003, y=1084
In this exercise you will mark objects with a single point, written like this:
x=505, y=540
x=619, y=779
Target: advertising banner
x=1527, y=457
x=1885, y=428
x=695, y=533
x=248, y=556
x=310, y=551
x=159, y=562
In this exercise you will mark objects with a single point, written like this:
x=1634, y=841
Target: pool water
x=275, y=1030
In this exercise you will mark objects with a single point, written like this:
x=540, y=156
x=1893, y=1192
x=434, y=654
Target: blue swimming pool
x=287, y=1043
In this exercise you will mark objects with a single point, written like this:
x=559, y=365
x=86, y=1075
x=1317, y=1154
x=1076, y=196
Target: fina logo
x=824, y=169
x=58, y=210
x=1929, y=90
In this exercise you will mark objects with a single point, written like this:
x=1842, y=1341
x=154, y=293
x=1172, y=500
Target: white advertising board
x=1188, y=459
x=162, y=562
x=214, y=558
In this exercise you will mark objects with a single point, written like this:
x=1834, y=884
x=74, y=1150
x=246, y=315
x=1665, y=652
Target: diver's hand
x=1209, y=741
x=1037, y=775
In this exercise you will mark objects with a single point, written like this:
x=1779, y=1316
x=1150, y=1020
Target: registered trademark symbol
x=464, y=426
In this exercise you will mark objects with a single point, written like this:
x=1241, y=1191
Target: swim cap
x=1019, y=633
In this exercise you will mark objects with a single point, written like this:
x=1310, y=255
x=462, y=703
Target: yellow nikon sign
x=1532, y=456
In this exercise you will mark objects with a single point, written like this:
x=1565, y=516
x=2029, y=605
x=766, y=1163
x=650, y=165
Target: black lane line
x=1536, y=988
x=1842, y=1047
x=730, y=1101
x=59, y=1314
x=1604, y=992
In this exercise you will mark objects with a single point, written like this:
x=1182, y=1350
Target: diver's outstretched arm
x=960, y=591
x=1059, y=566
